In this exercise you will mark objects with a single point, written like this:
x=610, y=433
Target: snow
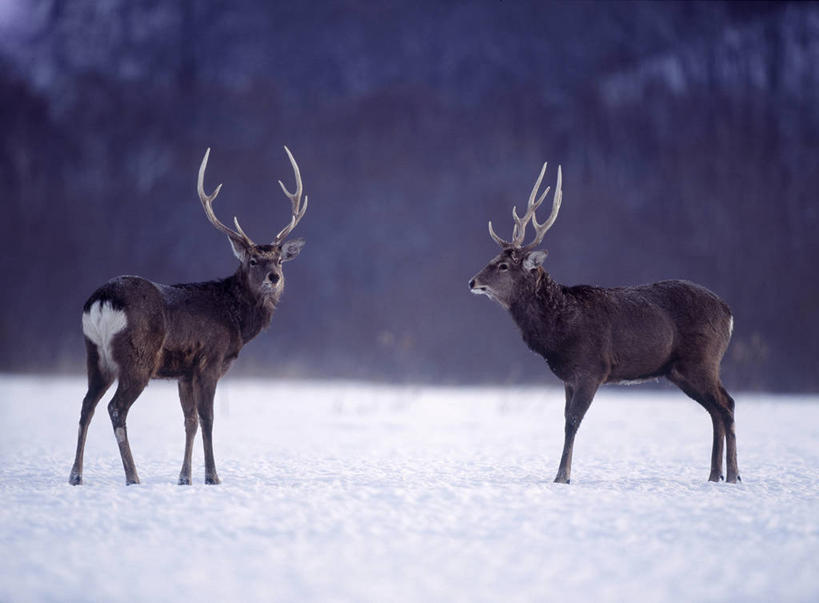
x=355, y=492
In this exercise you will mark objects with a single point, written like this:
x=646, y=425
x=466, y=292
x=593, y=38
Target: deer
x=590, y=336
x=136, y=330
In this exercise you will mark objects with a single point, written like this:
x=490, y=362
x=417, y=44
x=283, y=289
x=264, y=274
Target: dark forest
x=687, y=133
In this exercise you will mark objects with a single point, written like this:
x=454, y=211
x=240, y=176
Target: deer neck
x=537, y=308
x=251, y=311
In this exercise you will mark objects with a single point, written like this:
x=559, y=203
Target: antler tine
x=294, y=197
x=531, y=206
x=540, y=229
x=207, y=204
x=297, y=208
x=240, y=231
x=496, y=238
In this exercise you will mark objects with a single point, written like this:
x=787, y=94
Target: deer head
x=261, y=265
x=517, y=262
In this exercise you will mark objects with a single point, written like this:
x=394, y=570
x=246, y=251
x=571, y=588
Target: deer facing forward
x=592, y=335
x=136, y=330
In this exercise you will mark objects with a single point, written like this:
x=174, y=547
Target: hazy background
x=688, y=135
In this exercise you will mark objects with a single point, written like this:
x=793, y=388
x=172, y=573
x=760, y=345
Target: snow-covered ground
x=351, y=492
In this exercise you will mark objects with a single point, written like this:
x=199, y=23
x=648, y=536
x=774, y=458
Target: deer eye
x=503, y=266
x=252, y=262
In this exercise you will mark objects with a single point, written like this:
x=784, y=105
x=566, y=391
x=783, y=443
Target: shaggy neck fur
x=537, y=306
x=253, y=311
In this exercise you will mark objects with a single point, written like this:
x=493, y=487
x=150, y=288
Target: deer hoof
x=212, y=480
x=75, y=479
x=184, y=481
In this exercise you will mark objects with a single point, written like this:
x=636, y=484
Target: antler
x=297, y=211
x=519, y=231
x=207, y=201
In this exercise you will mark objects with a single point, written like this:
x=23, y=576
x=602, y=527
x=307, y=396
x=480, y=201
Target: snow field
x=355, y=492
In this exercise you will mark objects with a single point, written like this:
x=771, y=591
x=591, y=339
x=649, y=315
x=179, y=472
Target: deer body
x=184, y=327
x=625, y=333
x=592, y=335
x=136, y=330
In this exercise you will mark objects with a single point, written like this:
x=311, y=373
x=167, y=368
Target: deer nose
x=472, y=284
x=273, y=277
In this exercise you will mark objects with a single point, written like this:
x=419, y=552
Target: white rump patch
x=100, y=323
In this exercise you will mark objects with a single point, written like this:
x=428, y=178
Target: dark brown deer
x=591, y=335
x=136, y=330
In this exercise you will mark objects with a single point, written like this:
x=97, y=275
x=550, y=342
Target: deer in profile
x=136, y=330
x=593, y=335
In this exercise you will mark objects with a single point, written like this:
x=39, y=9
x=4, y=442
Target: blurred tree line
x=688, y=135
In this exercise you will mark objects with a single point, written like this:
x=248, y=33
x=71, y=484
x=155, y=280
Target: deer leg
x=727, y=410
x=578, y=399
x=98, y=384
x=188, y=401
x=205, y=388
x=717, y=445
x=569, y=392
x=698, y=389
x=127, y=392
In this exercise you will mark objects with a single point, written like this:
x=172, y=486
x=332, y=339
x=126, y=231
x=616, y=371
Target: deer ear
x=534, y=260
x=291, y=249
x=240, y=249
